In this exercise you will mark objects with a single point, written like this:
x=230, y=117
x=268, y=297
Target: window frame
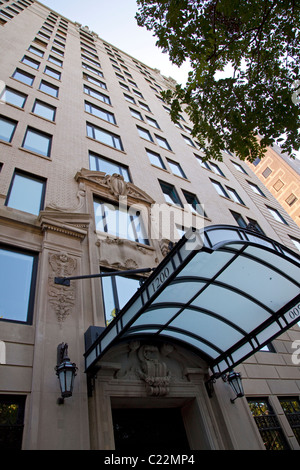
x=27, y=176
x=115, y=166
x=41, y=133
x=32, y=288
x=172, y=194
x=14, y=123
x=25, y=74
x=91, y=128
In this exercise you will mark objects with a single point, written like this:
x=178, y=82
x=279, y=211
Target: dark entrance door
x=155, y=429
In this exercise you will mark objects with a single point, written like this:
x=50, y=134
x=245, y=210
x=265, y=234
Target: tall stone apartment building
x=281, y=174
x=96, y=178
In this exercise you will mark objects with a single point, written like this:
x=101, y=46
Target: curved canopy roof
x=224, y=292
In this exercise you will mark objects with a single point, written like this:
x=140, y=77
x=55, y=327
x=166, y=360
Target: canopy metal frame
x=220, y=250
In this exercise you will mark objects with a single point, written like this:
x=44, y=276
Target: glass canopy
x=224, y=292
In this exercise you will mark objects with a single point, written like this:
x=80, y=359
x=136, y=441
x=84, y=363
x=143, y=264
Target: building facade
x=280, y=174
x=95, y=177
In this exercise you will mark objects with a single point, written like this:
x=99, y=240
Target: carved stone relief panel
x=61, y=298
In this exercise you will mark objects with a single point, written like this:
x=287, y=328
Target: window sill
x=106, y=145
x=44, y=119
x=35, y=154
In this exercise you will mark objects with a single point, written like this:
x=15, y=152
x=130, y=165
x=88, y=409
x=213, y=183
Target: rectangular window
x=37, y=142
x=121, y=222
x=49, y=88
x=188, y=140
x=129, y=98
x=94, y=81
x=144, y=106
x=98, y=163
x=256, y=189
x=215, y=168
x=104, y=136
x=31, y=62
x=266, y=173
x=117, y=291
x=144, y=133
x=91, y=69
x=194, y=203
x=268, y=424
x=239, y=219
x=176, y=169
x=14, y=97
x=36, y=51
x=170, y=193
x=162, y=142
x=291, y=408
x=99, y=112
x=26, y=193
x=55, y=61
x=7, y=129
x=18, y=275
x=239, y=167
x=52, y=73
x=12, y=410
x=152, y=122
x=155, y=159
x=234, y=195
x=57, y=51
x=136, y=114
x=96, y=94
x=291, y=199
x=23, y=77
x=276, y=214
x=44, y=110
x=219, y=188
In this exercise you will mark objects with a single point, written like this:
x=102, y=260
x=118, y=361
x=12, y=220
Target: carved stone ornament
x=61, y=298
x=153, y=371
x=113, y=185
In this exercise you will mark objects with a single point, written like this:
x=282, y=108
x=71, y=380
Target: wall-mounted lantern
x=235, y=381
x=66, y=372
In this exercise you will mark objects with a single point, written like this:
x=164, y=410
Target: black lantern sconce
x=235, y=381
x=66, y=372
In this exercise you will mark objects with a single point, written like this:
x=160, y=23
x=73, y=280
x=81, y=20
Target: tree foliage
x=252, y=108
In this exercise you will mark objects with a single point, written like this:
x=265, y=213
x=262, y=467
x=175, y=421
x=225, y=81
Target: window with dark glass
x=26, y=193
x=17, y=283
x=122, y=222
x=267, y=424
x=44, y=110
x=7, y=128
x=104, y=136
x=194, y=203
x=99, y=163
x=170, y=193
x=12, y=409
x=117, y=291
x=291, y=408
x=37, y=141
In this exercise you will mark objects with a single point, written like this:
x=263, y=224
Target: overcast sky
x=113, y=21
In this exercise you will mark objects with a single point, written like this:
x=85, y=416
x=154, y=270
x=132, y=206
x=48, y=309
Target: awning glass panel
x=223, y=292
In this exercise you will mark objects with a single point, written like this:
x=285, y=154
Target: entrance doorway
x=149, y=429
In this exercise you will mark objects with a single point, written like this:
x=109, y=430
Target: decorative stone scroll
x=62, y=298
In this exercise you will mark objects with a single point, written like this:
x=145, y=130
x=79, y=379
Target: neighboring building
x=96, y=177
x=281, y=176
